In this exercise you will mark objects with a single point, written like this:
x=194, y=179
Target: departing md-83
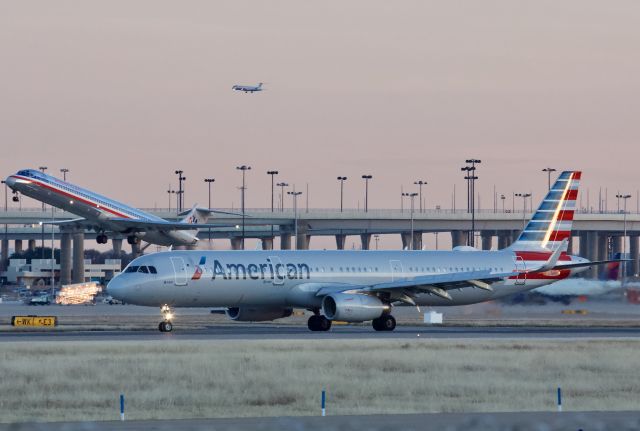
x=356, y=286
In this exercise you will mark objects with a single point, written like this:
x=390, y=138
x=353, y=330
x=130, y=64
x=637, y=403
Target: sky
x=123, y=93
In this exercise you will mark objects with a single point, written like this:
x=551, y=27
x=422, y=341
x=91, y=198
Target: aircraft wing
x=130, y=225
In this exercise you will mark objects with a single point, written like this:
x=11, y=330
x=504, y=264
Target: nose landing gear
x=167, y=316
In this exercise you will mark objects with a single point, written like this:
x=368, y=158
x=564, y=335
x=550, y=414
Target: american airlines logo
x=254, y=271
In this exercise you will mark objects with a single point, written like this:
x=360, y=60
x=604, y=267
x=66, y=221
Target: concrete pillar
x=593, y=252
x=616, y=242
x=78, y=257
x=417, y=240
x=32, y=245
x=285, y=241
x=267, y=243
x=302, y=241
x=4, y=255
x=487, y=238
x=117, y=246
x=236, y=243
x=18, y=246
x=340, y=240
x=406, y=240
x=584, y=245
x=634, y=266
x=570, y=245
x=603, y=246
x=504, y=239
x=65, y=257
x=365, y=240
x=458, y=238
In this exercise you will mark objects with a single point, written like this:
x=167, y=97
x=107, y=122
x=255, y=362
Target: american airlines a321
x=431, y=219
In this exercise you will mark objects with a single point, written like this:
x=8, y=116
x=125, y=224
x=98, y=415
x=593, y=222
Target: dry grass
x=178, y=379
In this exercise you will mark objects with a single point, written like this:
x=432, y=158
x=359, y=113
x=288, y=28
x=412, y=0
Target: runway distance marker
x=34, y=321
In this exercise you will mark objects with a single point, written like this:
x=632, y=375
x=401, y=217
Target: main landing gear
x=132, y=239
x=167, y=316
x=318, y=323
x=386, y=322
x=102, y=239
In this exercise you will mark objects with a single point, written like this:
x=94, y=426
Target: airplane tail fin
x=551, y=223
x=195, y=216
x=260, y=84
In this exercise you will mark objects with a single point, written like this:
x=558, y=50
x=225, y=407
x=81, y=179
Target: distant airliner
x=356, y=286
x=105, y=215
x=248, y=88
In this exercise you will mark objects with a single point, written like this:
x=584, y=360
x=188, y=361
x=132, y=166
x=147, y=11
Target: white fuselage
x=292, y=278
x=94, y=207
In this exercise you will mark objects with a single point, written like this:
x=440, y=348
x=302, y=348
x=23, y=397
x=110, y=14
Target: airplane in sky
x=248, y=88
x=107, y=216
x=356, y=286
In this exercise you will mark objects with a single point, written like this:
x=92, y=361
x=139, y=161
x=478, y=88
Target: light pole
x=273, y=174
x=624, y=197
x=169, y=192
x=471, y=196
x=502, y=197
x=548, y=171
x=244, y=169
x=366, y=179
x=524, y=197
x=282, y=186
x=376, y=237
x=411, y=196
x=6, y=201
x=180, y=191
x=209, y=181
x=295, y=213
x=420, y=183
x=342, y=180
x=64, y=173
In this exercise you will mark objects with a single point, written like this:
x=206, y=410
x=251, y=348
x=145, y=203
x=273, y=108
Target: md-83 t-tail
x=107, y=216
x=356, y=286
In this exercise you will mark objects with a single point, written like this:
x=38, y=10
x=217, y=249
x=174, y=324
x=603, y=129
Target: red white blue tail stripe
x=552, y=222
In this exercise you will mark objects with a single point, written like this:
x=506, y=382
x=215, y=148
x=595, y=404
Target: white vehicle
x=106, y=215
x=356, y=286
x=39, y=300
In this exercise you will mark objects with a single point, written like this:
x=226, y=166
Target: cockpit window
x=143, y=269
x=133, y=268
x=152, y=270
x=25, y=173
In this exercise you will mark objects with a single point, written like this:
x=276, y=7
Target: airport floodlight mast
x=209, y=181
x=376, y=237
x=366, y=179
x=624, y=198
x=471, y=178
x=502, y=197
x=420, y=183
x=180, y=191
x=282, y=185
x=411, y=196
x=170, y=192
x=524, y=197
x=244, y=169
x=342, y=180
x=295, y=214
x=273, y=174
x=548, y=171
x=6, y=202
x=64, y=173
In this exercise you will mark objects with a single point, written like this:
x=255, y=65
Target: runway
x=520, y=421
x=338, y=332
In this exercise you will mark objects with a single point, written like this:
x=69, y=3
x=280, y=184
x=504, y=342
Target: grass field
x=184, y=379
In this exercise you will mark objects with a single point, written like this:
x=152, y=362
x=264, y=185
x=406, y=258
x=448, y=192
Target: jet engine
x=352, y=307
x=253, y=314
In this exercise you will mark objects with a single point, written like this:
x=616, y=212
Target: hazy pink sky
x=124, y=92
